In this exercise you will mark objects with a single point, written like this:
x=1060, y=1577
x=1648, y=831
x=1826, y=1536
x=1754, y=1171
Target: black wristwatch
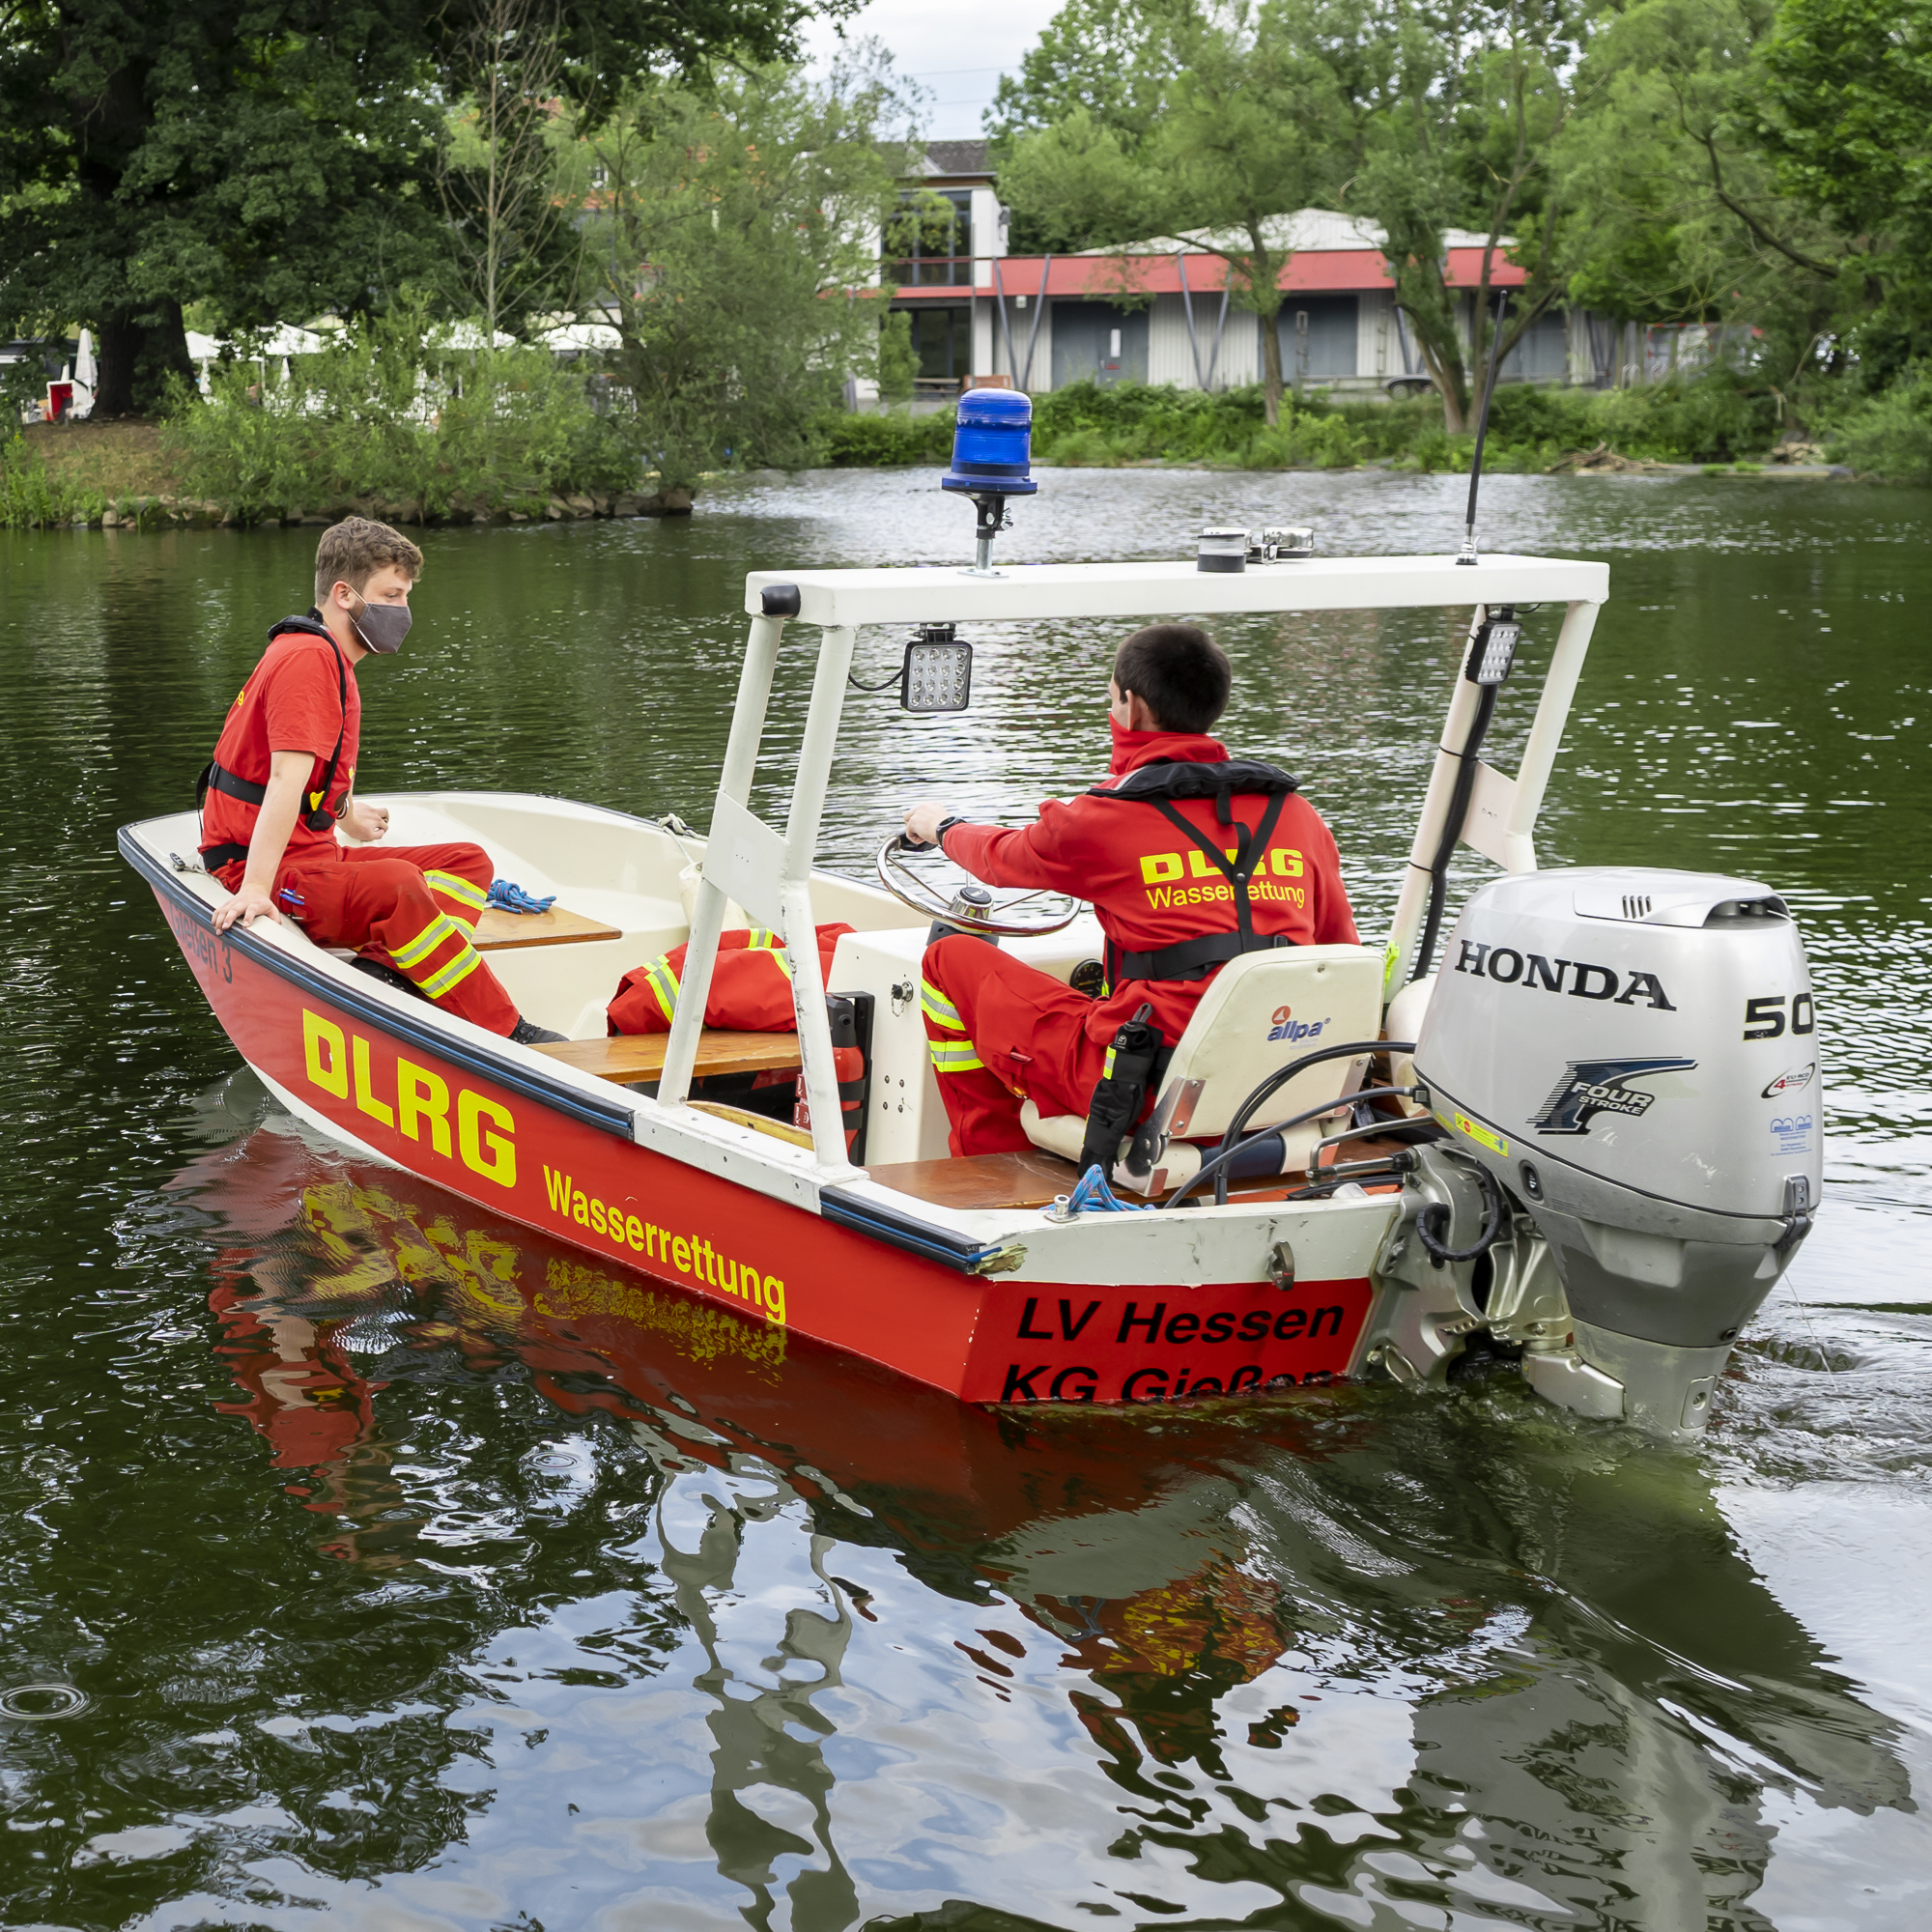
x=946, y=825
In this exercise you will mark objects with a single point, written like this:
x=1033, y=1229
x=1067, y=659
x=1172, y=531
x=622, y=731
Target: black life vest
x=214, y=777
x=1158, y=785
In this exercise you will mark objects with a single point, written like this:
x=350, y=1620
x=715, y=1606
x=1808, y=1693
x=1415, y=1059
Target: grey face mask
x=383, y=627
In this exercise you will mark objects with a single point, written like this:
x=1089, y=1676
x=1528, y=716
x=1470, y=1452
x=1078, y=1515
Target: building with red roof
x=1159, y=311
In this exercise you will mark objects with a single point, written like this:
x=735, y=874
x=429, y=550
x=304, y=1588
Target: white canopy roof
x=942, y=594
x=284, y=339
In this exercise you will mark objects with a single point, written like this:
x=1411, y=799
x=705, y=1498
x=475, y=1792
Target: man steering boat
x=1189, y=859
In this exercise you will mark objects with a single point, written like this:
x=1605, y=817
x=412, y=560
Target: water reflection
x=1232, y=1664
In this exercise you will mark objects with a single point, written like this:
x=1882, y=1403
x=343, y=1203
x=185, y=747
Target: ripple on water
x=405, y=1586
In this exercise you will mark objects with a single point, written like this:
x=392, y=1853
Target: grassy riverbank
x=514, y=438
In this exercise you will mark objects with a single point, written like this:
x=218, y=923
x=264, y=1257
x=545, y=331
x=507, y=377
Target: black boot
x=389, y=976
x=526, y=1034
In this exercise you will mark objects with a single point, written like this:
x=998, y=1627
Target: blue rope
x=1093, y=1196
x=508, y=897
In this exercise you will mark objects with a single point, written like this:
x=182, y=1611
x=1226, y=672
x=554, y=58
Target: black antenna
x=1468, y=550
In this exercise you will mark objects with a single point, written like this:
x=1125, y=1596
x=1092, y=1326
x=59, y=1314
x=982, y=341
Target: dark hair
x=1180, y=674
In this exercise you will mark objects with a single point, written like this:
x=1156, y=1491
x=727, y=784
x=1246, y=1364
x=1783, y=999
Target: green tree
x=268, y=157
x=1245, y=129
x=512, y=248
x=1849, y=86
x=1674, y=210
x=734, y=234
x=1457, y=111
x=1099, y=59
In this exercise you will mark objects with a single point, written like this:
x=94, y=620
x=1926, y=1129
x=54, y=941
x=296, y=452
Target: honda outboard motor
x=1632, y=1053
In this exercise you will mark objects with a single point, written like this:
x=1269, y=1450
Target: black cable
x=1275, y=1081
x=1452, y=830
x=1483, y=428
x=897, y=677
x=1366, y=1172
x=1439, y=1215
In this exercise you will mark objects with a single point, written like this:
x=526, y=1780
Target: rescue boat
x=1585, y=1146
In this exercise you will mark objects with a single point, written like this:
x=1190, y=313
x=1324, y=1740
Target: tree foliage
x=1223, y=123
x=269, y=158
x=733, y=233
x=1764, y=161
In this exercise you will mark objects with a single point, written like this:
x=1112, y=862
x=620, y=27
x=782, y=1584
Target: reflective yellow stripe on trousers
x=938, y=1008
x=451, y=887
x=460, y=968
x=954, y=1055
x=662, y=982
x=439, y=929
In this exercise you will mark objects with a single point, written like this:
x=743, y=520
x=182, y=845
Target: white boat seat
x=1260, y=1012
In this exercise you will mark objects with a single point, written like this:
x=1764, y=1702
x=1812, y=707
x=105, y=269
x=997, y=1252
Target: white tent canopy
x=577, y=339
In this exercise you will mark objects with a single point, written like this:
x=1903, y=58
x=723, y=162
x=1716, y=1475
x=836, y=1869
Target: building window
x=942, y=340
x=929, y=239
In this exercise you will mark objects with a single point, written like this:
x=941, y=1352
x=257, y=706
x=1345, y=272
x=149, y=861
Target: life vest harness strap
x=1194, y=958
x=214, y=777
x=219, y=777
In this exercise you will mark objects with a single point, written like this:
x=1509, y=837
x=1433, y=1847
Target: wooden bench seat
x=499, y=931
x=633, y=1059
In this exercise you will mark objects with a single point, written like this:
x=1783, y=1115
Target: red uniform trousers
x=415, y=907
x=1001, y=1031
x=751, y=985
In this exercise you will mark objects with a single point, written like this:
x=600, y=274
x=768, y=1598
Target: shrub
x=1083, y=448
x=850, y=440
x=389, y=412
x=1304, y=441
x=1716, y=417
x=1890, y=434
x=34, y=498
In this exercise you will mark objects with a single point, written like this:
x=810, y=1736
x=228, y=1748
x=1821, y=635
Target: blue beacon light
x=992, y=453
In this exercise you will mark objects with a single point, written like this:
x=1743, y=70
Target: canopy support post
x=707, y=918
x=799, y=930
x=1545, y=735
x=771, y=877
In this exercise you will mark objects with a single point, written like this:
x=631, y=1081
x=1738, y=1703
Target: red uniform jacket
x=301, y=698
x=1152, y=888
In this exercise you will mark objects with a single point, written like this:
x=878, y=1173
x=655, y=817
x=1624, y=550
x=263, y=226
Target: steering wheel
x=970, y=907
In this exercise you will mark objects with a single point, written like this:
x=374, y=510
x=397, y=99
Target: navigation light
x=992, y=456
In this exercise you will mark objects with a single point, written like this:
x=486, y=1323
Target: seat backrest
x=1260, y=1012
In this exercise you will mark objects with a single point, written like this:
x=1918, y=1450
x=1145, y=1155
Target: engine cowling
x=1633, y=1053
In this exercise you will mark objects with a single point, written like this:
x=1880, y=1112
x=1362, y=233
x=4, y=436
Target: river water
x=384, y=1564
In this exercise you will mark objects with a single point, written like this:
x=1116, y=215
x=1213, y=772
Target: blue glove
x=508, y=897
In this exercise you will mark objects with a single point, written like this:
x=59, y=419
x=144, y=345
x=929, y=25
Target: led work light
x=1493, y=653
x=938, y=672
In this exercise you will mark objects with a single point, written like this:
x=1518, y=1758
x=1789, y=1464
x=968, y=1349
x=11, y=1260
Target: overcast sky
x=935, y=41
